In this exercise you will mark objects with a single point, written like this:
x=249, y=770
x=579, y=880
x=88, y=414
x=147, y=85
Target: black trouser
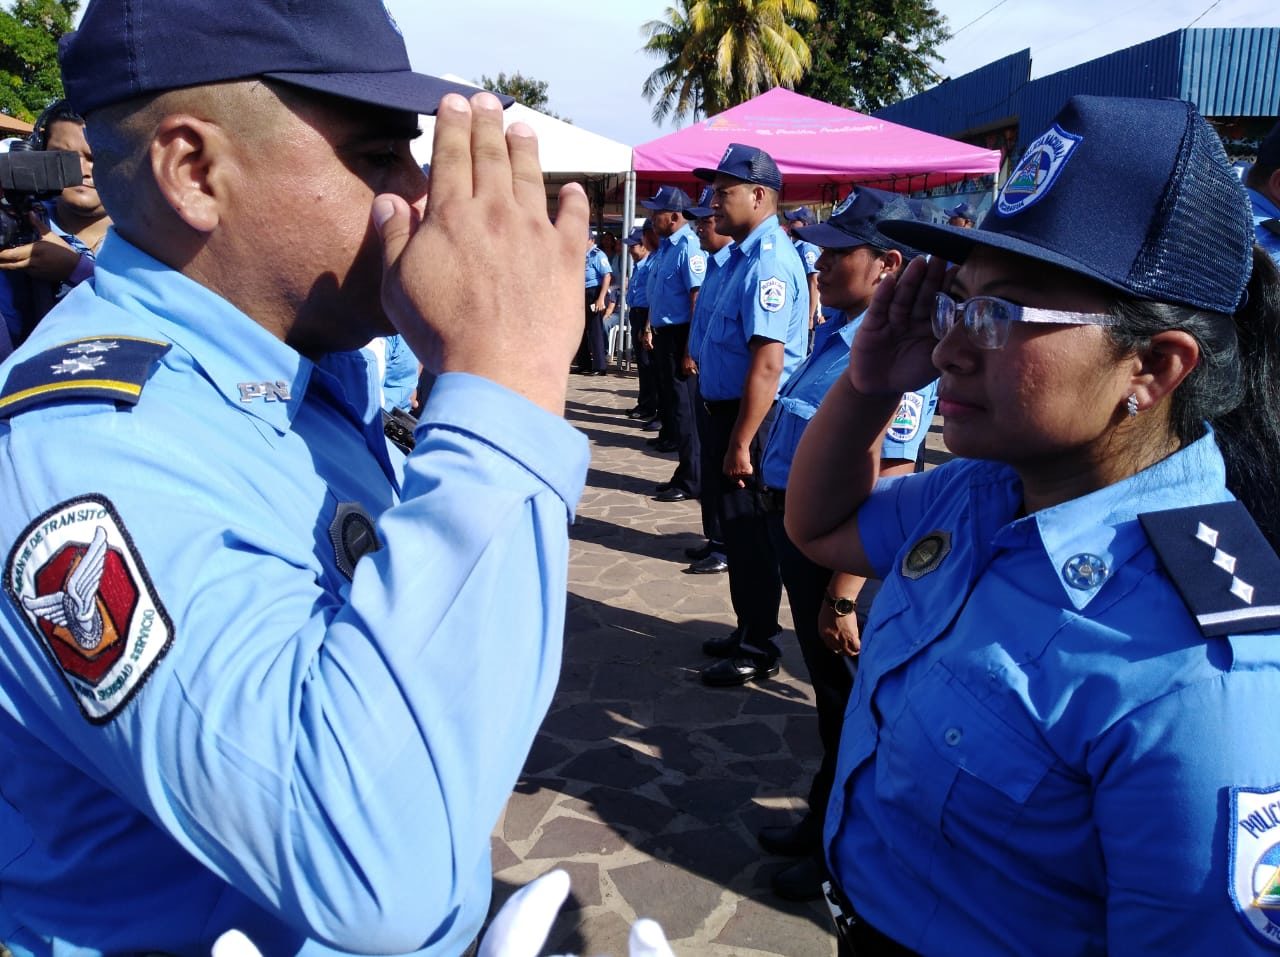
x=647, y=399
x=677, y=393
x=591, y=351
x=755, y=583
x=832, y=679
x=710, y=500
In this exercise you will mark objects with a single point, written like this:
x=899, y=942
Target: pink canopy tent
x=821, y=149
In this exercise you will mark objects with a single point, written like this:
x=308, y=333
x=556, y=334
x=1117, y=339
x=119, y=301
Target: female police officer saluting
x=1055, y=743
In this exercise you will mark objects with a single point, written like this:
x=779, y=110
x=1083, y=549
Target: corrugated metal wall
x=1228, y=72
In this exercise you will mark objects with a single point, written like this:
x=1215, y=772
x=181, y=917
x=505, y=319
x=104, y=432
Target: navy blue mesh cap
x=703, y=208
x=668, y=199
x=1269, y=148
x=346, y=48
x=801, y=214
x=1136, y=194
x=747, y=163
x=856, y=221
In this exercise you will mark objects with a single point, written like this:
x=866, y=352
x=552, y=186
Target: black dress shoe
x=672, y=495
x=731, y=672
x=725, y=647
x=801, y=839
x=653, y=425
x=801, y=881
x=661, y=487
x=598, y=372
x=645, y=414
x=663, y=446
x=699, y=553
x=713, y=564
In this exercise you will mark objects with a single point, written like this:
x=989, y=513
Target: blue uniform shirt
x=597, y=267
x=764, y=293
x=679, y=266
x=1264, y=210
x=638, y=287
x=292, y=720
x=717, y=267
x=809, y=254
x=799, y=399
x=1039, y=761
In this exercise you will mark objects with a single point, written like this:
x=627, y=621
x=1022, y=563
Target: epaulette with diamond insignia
x=100, y=367
x=1223, y=567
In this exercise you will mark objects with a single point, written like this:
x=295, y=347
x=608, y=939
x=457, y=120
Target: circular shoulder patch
x=926, y=555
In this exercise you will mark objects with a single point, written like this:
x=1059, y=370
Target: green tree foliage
x=718, y=53
x=526, y=90
x=870, y=53
x=29, y=76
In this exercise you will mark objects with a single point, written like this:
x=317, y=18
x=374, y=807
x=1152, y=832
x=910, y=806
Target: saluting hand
x=486, y=210
x=892, y=351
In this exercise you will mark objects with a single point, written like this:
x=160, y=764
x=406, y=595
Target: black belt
x=722, y=406
x=775, y=499
x=858, y=938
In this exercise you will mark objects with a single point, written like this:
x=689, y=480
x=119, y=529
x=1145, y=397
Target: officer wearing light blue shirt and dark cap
x=261, y=669
x=678, y=270
x=827, y=606
x=1052, y=743
x=963, y=215
x=641, y=243
x=757, y=333
x=792, y=220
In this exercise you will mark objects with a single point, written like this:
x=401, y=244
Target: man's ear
x=190, y=160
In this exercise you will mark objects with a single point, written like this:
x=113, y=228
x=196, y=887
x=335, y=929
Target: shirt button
x=953, y=736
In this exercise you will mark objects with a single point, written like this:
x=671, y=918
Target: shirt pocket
x=967, y=773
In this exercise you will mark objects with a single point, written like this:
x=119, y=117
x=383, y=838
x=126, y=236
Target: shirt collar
x=721, y=255
x=1088, y=538
x=245, y=362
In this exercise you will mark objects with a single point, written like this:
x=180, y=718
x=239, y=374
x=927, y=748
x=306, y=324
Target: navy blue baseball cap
x=1135, y=194
x=747, y=163
x=668, y=199
x=964, y=211
x=635, y=237
x=350, y=49
x=855, y=222
x=801, y=214
x=703, y=208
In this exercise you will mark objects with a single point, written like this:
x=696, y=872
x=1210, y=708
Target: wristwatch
x=841, y=606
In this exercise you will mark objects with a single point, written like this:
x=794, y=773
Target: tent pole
x=628, y=217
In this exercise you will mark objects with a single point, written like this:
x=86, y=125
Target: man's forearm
x=758, y=391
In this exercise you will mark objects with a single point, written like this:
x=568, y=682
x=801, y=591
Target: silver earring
x=1131, y=405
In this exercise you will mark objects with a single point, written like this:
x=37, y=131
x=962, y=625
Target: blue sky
x=589, y=52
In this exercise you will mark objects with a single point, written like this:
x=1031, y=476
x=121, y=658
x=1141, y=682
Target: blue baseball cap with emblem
x=1135, y=194
x=670, y=199
x=963, y=211
x=801, y=214
x=350, y=49
x=856, y=222
x=635, y=237
x=703, y=208
x=747, y=163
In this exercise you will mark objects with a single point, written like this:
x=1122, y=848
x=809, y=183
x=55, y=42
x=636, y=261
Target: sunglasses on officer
x=987, y=319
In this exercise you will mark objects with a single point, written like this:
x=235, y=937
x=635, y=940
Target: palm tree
x=719, y=53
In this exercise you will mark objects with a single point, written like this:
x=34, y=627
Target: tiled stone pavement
x=646, y=786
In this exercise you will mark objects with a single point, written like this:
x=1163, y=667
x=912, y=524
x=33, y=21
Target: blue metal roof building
x=1231, y=74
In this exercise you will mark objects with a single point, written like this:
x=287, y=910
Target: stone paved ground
x=643, y=784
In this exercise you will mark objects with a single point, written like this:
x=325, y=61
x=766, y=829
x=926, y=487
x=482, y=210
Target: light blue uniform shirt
x=679, y=266
x=717, y=267
x=597, y=267
x=638, y=287
x=809, y=254
x=396, y=369
x=799, y=399
x=1263, y=210
x=314, y=759
x=1028, y=767
x=764, y=293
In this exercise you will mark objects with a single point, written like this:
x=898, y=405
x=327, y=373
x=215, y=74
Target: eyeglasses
x=987, y=319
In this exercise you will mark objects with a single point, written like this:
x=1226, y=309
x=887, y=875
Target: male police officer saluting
x=259, y=670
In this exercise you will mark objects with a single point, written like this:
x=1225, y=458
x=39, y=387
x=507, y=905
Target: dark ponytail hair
x=1235, y=387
